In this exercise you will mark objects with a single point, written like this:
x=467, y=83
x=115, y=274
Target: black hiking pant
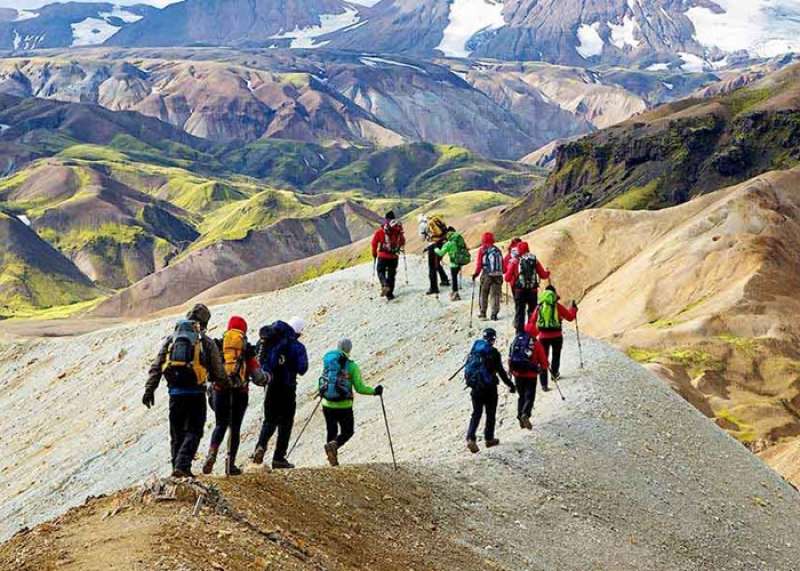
x=525, y=301
x=455, y=273
x=229, y=409
x=553, y=349
x=526, y=395
x=387, y=273
x=484, y=398
x=280, y=404
x=187, y=417
x=340, y=425
x=436, y=274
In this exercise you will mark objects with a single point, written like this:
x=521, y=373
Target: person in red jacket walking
x=545, y=323
x=387, y=243
x=229, y=401
x=527, y=359
x=512, y=252
x=523, y=273
x=489, y=266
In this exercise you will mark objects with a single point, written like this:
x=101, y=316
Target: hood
x=487, y=239
x=237, y=323
x=523, y=248
x=201, y=314
x=284, y=329
x=513, y=244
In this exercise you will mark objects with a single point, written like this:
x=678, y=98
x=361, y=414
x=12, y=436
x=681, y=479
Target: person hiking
x=489, y=266
x=523, y=274
x=434, y=230
x=484, y=366
x=284, y=357
x=526, y=360
x=229, y=400
x=457, y=252
x=341, y=378
x=545, y=323
x=387, y=244
x=187, y=360
x=513, y=252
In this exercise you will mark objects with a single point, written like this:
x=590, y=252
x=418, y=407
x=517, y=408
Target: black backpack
x=492, y=261
x=528, y=276
x=519, y=356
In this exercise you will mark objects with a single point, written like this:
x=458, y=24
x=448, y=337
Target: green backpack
x=548, y=319
x=461, y=256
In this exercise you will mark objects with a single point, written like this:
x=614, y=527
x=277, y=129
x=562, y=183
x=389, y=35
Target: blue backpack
x=519, y=356
x=476, y=371
x=335, y=384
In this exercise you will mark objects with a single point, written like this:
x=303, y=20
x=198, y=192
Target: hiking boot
x=211, y=459
x=389, y=296
x=282, y=464
x=332, y=452
x=258, y=455
x=545, y=388
x=521, y=420
x=492, y=442
x=526, y=423
x=234, y=471
x=444, y=283
x=385, y=291
x=472, y=446
x=432, y=292
x=556, y=376
x=178, y=473
x=495, y=318
x=482, y=316
x=454, y=296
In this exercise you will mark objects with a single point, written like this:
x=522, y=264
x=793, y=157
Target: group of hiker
x=202, y=372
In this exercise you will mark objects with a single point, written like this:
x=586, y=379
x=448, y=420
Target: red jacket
x=388, y=241
x=487, y=241
x=512, y=271
x=563, y=312
x=539, y=357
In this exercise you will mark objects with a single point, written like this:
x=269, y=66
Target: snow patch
x=658, y=67
x=375, y=61
x=28, y=42
x=122, y=14
x=765, y=28
x=624, y=34
x=23, y=15
x=693, y=63
x=467, y=18
x=329, y=23
x=24, y=219
x=669, y=86
x=591, y=44
x=95, y=31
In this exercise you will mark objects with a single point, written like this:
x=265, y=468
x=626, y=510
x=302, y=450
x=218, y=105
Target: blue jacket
x=287, y=358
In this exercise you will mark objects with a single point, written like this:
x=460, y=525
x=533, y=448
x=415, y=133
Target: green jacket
x=358, y=386
x=450, y=249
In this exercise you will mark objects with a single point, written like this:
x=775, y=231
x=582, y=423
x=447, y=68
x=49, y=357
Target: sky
x=30, y=4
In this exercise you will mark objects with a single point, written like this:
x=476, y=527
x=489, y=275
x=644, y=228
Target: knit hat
x=490, y=335
x=345, y=346
x=201, y=314
x=297, y=324
x=237, y=323
x=390, y=215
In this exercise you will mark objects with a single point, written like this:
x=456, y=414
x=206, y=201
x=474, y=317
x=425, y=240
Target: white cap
x=298, y=324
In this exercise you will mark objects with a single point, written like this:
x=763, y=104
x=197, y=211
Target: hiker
x=489, y=266
x=187, y=359
x=229, y=400
x=523, y=274
x=484, y=366
x=526, y=360
x=513, y=252
x=387, y=244
x=434, y=230
x=340, y=377
x=457, y=252
x=283, y=356
x=545, y=322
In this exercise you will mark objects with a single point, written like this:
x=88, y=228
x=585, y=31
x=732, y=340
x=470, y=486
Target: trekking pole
x=372, y=277
x=454, y=375
x=472, y=305
x=580, y=347
x=229, y=460
x=405, y=265
x=313, y=412
x=555, y=382
x=388, y=433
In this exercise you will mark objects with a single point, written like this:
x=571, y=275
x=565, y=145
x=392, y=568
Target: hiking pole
x=299, y=436
x=405, y=265
x=372, y=277
x=388, y=433
x=472, y=305
x=457, y=372
x=229, y=460
x=580, y=347
x=555, y=382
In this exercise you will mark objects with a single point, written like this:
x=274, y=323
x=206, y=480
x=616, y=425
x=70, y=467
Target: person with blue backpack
x=340, y=380
x=284, y=357
x=490, y=267
x=484, y=366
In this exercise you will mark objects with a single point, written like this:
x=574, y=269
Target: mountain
x=674, y=152
x=34, y=274
x=60, y=25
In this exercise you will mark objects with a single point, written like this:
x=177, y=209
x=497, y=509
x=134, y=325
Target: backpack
x=476, y=371
x=548, y=318
x=461, y=256
x=528, y=277
x=391, y=239
x=184, y=366
x=272, y=348
x=234, y=353
x=335, y=384
x=437, y=229
x=519, y=356
x=492, y=262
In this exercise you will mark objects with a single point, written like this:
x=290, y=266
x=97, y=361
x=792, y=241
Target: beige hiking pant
x=491, y=287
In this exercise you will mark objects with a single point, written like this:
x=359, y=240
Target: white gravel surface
x=623, y=475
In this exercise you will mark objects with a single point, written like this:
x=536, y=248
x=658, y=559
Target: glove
x=474, y=277
x=378, y=390
x=512, y=389
x=574, y=304
x=149, y=398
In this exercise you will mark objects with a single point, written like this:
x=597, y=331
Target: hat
x=237, y=323
x=490, y=335
x=297, y=324
x=390, y=215
x=201, y=314
x=345, y=346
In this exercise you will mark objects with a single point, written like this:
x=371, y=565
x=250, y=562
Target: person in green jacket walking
x=341, y=376
x=457, y=252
